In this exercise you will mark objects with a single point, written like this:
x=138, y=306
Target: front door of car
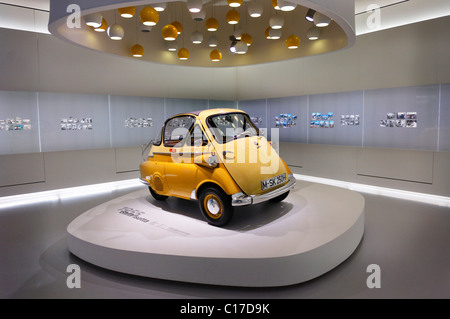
x=180, y=171
x=249, y=158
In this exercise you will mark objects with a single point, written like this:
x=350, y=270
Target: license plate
x=273, y=181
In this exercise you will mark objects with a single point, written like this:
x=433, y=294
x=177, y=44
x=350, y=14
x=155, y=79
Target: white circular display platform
x=312, y=231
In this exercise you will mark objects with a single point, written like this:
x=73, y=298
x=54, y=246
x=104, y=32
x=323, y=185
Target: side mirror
x=213, y=160
x=207, y=160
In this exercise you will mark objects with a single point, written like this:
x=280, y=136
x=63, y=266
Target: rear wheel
x=279, y=198
x=156, y=195
x=216, y=206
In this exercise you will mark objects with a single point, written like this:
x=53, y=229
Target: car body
x=217, y=157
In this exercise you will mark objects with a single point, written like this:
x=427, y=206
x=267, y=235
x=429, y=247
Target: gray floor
x=408, y=240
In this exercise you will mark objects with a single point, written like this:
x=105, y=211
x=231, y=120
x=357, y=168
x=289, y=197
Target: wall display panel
x=214, y=104
x=135, y=120
x=289, y=115
x=336, y=118
x=56, y=110
x=444, y=116
x=76, y=124
x=257, y=110
x=326, y=120
x=177, y=106
x=286, y=120
x=19, y=122
x=400, y=120
x=385, y=110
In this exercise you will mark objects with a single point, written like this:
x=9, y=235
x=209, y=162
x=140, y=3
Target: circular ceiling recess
x=206, y=33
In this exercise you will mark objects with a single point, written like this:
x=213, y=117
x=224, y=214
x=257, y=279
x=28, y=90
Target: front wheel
x=216, y=206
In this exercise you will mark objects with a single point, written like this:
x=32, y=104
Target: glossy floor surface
x=409, y=241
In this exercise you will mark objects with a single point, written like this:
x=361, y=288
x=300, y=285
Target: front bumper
x=144, y=181
x=240, y=199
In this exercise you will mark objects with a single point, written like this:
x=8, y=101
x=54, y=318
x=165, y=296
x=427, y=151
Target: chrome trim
x=144, y=181
x=240, y=199
x=193, y=197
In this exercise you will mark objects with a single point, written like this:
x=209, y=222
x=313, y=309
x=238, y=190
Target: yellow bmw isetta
x=217, y=157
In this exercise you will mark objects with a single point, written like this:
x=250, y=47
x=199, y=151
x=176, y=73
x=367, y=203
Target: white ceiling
x=360, y=5
x=34, y=4
x=394, y=13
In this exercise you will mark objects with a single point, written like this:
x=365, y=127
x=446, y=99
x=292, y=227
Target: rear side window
x=158, y=139
x=177, y=129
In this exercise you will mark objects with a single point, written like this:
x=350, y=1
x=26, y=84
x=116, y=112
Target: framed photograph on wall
x=411, y=123
x=411, y=115
x=401, y=115
x=400, y=123
x=384, y=123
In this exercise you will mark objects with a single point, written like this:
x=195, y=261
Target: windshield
x=231, y=126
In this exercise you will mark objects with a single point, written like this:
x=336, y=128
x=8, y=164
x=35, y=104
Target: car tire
x=156, y=195
x=279, y=198
x=215, y=206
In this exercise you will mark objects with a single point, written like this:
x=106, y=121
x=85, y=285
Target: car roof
x=208, y=112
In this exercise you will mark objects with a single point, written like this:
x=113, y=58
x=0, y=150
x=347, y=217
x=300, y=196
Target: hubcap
x=213, y=206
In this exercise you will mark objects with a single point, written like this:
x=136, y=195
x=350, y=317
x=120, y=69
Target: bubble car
x=218, y=158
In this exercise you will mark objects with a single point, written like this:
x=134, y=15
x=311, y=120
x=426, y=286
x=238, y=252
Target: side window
x=158, y=139
x=176, y=130
x=197, y=138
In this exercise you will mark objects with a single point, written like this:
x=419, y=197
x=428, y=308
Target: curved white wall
x=411, y=55
x=404, y=56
